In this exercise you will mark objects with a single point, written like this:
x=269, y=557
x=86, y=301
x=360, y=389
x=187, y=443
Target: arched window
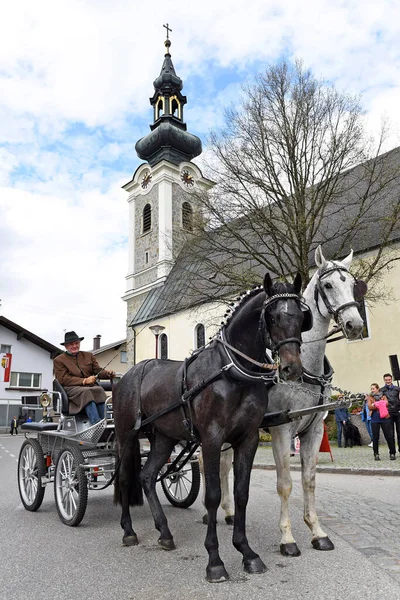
x=164, y=346
x=175, y=107
x=159, y=107
x=187, y=216
x=200, y=335
x=146, y=218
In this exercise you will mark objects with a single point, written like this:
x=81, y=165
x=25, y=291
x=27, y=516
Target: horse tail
x=131, y=474
x=129, y=462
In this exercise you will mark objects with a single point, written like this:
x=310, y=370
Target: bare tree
x=294, y=168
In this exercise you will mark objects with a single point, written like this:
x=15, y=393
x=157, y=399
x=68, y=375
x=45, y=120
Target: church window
x=123, y=356
x=200, y=335
x=363, y=312
x=146, y=218
x=164, y=346
x=175, y=108
x=159, y=107
x=187, y=216
x=146, y=257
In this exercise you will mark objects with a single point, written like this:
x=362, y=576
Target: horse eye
x=328, y=286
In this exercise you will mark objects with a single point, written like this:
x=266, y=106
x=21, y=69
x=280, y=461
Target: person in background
x=14, y=426
x=378, y=422
x=366, y=418
x=392, y=393
x=341, y=417
x=77, y=372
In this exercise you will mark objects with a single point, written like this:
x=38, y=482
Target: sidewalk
x=358, y=460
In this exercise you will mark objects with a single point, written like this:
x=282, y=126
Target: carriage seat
x=57, y=387
x=40, y=426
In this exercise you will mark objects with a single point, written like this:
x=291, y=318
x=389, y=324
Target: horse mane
x=234, y=306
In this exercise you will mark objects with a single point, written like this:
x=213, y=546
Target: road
x=40, y=558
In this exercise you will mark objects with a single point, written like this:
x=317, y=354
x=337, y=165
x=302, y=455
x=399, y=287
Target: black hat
x=71, y=336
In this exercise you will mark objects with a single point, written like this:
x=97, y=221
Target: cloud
x=75, y=81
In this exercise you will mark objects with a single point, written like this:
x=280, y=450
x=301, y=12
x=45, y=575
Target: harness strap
x=187, y=396
x=266, y=366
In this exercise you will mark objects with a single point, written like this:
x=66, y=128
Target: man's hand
x=90, y=380
x=112, y=374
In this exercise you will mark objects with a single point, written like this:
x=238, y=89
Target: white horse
x=330, y=294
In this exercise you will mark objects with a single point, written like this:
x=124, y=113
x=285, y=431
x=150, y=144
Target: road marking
x=19, y=507
x=13, y=455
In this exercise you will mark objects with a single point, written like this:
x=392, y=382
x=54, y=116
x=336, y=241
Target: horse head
x=284, y=317
x=336, y=292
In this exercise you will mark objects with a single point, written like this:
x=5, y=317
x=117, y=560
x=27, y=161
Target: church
x=163, y=320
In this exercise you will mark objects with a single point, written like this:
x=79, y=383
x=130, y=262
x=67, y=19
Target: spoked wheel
x=31, y=469
x=182, y=488
x=70, y=486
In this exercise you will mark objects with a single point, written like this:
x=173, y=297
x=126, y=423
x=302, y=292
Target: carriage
x=76, y=457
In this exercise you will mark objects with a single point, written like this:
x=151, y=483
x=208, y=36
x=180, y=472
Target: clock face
x=146, y=180
x=187, y=178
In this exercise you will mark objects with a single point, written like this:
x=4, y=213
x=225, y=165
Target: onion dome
x=168, y=139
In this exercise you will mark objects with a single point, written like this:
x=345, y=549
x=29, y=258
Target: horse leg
x=309, y=446
x=281, y=438
x=215, y=571
x=161, y=448
x=226, y=496
x=242, y=464
x=128, y=490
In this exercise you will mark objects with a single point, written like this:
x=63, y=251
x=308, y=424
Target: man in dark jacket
x=392, y=393
x=341, y=417
x=77, y=371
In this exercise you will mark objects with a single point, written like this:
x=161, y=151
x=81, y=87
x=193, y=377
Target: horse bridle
x=319, y=290
x=274, y=347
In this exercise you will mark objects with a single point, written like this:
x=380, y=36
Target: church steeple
x=168, y=139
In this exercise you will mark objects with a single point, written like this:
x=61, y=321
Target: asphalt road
x=40, y=558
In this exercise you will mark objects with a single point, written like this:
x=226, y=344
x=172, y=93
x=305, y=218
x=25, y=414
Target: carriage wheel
x=31, y=469
x=182, y=488
x=70, y=486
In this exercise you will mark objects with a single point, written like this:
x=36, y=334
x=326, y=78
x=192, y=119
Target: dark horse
x=216, y=397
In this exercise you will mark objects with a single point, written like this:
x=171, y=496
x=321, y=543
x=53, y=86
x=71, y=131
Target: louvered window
x=146, y=218
x=187, y=216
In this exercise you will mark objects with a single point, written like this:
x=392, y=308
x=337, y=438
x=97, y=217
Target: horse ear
x=320, y=259
x=346, y=262
x=297, y=283
x=268, y=284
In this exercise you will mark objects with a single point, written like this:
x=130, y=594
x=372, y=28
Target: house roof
x=334, y=233
x=28, y=335
x=114, y=345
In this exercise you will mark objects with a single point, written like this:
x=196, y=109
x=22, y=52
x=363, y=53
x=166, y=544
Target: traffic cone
x=325, y=446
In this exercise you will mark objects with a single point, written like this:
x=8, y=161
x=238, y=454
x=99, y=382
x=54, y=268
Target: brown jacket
x=71, y=370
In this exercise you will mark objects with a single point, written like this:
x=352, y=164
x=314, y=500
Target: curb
x=341, y=470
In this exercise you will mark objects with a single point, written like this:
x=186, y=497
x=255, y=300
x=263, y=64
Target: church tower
x=161, y=208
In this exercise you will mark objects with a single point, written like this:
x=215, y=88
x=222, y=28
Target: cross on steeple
x=168, y=30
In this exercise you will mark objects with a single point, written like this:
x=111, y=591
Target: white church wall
x=180, y=329
x=358, y=364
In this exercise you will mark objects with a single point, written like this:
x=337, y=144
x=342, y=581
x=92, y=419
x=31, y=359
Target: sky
x=75, y=82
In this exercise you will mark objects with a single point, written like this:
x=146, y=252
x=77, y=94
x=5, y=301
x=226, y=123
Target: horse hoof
x=322, y=544
x=291, y=549
x=168, y=544
x=254, y=566
x=205, y=519
x=130, y=540
x=216, y=574
x=230, y=520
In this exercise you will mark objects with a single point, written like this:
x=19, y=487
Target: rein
x=266, y=366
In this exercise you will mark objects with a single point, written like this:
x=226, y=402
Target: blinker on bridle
x=360, y=289
x=286, y=296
